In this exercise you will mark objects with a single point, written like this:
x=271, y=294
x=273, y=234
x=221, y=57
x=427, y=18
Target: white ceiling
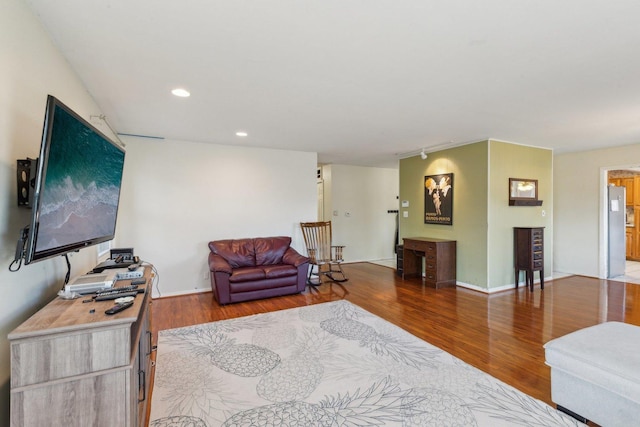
x=359, y=81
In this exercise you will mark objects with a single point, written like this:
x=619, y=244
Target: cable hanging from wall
x=113, y=132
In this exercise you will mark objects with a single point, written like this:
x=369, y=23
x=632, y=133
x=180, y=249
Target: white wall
x=180, y=202
x=579, y=201
x=356, y=201
x=31, y=68
x=177, y=196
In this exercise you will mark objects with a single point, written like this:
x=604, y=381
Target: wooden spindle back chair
x=323, y=255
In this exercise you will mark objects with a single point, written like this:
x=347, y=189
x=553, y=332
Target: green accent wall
x=483, y=221
x=517, y=161
x=469, y=165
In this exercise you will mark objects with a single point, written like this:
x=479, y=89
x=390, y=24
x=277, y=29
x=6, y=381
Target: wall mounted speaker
x=26, y=180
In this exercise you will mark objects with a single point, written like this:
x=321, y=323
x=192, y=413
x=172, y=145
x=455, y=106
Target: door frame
x=604, y=229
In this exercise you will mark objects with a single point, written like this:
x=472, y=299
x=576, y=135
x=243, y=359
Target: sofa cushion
x=246, y=274
x=262, y=287
x=594, y=373
x=606, y=354
x=269, y=250
x=238, y=252
x=276, y=271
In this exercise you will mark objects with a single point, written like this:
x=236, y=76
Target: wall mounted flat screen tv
x=77, y=188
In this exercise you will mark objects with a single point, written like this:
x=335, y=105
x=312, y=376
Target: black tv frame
x=31, y=253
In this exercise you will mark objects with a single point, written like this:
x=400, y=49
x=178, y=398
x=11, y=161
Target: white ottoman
x=595, y=373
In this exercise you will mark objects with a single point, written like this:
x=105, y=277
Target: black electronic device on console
x=125, y=291
x=110, y=263
x=122, y=254
x=106, y=296
x=119, y=307
x=120, y=258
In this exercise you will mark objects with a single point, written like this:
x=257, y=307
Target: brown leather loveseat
x=248, y=269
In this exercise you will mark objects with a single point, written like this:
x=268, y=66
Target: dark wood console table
x=439, y=260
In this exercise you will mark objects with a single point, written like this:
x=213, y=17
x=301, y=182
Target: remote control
x=139, y=281
x=118, y=308
x=113, y=295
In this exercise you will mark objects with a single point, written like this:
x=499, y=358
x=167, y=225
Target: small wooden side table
x=528, y=254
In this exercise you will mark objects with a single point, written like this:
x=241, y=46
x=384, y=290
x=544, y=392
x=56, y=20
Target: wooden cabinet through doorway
x=628, y=184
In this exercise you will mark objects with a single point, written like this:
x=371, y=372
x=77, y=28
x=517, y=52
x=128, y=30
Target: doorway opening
x=629, y=179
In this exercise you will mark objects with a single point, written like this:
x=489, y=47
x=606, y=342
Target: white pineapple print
x=383, y=345
x=382, y=402
x=245, y=360
x=298, y=375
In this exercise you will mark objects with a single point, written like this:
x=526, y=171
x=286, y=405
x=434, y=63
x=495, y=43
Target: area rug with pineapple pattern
x=331, y=364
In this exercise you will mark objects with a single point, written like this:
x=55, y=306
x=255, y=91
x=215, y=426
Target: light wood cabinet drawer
x=48, y=357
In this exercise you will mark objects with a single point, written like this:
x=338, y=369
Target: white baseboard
x=155, y=295
x=499, y=288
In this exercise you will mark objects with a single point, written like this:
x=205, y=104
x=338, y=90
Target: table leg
x=412, y=264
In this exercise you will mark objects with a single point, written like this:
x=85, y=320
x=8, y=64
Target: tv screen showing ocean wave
x=80, y=193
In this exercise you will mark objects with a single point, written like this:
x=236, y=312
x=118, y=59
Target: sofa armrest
x=292, y=257
x=217, y=264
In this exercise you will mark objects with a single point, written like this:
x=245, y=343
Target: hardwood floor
x=501, y=334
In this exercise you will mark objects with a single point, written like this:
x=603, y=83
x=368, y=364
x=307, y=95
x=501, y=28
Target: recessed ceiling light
x=183, y=93
x=240, y=133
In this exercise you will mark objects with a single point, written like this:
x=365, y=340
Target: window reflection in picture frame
x=523, y=192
